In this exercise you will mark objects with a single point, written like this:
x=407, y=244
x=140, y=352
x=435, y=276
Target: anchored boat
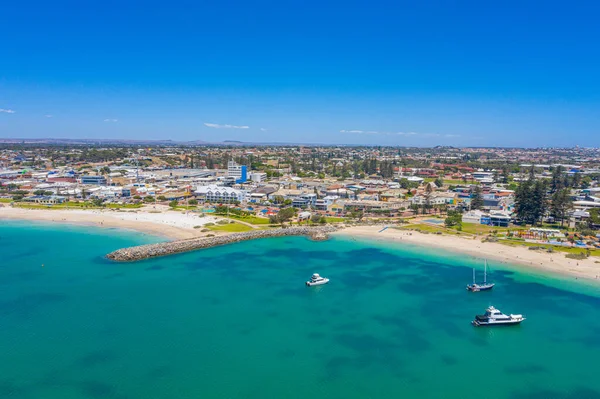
x=494, y=317
x=316, y=280
x=485, y=286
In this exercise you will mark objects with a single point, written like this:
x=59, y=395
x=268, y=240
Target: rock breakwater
x=174, y=247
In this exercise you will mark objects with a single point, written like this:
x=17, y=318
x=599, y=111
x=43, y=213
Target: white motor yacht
x=494, y=317
x=316, y=280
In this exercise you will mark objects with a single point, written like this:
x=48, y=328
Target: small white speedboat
x=316, y=280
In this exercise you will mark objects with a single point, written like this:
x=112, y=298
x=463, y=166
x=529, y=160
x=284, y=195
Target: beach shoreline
x=174, y=225
x=538, y=261
x=171, y=225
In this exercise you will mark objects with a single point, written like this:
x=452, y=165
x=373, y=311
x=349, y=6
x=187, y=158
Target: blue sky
x=465, y=73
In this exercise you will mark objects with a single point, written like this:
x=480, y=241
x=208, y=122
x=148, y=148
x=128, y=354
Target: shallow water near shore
x=237, y=321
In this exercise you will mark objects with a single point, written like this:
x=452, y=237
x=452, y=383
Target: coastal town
x=545, y=200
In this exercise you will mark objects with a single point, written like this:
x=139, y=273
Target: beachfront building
x=222, y=194
x=323, y=204
x=304, y=216
x=499, y=219
x=46, y=199
x=304, y=201
x=369, y=205
x=238, y=172
x=473, y=217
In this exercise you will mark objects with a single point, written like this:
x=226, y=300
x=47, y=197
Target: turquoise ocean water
x=238, y=322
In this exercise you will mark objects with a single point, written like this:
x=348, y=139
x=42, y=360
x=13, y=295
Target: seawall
x=174, y=247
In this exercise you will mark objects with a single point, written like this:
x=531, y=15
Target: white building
x=213, y=193
x=304, y=215
x=238, y=172
x=258, y=177
x=473, y=217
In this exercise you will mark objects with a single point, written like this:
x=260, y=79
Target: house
x=304, y=200
x=323, y=204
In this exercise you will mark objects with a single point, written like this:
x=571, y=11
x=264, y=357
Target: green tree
x=557, y=181
x=357, y=214
x=98, y=202
x=576, y=182
x=539, y=201
x=285, y=215
x=148, y=199
x=505, y=175
x=454, y=219
x=523, y=201
x=193, y=202
x=104, y=170
x=161, y=198
x=594, y=219
x=477, y=199
x=173, y=203
x=560, y=204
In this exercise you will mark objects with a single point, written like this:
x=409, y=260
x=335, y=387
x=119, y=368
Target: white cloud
x=111, y=120
x=407, y=134
x=262, y=129
x=7, y=111
x=217, y=126
x=48, y=116
x=452, y=135
x=352, y=131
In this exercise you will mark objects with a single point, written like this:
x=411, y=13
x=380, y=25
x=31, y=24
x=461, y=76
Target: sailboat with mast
x=485, y=286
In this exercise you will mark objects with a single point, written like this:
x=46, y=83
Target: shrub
x=579, y=256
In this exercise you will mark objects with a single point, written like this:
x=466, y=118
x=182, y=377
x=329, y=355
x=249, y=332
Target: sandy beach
x=169, y=224
x=179, y=225
x=540, y=260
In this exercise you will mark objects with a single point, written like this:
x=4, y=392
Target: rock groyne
x=174, y=247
